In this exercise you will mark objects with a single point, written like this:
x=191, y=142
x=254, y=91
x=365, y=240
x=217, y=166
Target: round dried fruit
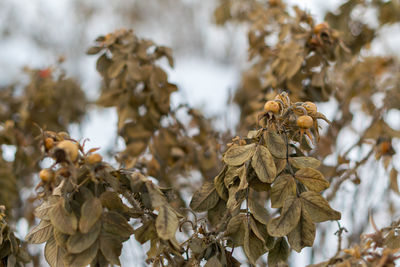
x=320, y=27
x=272, y=106
x=48, y=143
x=70, y=150
x=310, y=107
x=305, y=122
x=94, y=158
x=46, y=175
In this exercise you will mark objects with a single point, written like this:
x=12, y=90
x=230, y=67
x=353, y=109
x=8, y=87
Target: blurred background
x=209, y=60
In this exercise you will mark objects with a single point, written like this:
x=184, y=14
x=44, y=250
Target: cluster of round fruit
x=305, y=113
x=64, y=151
x=304, y=121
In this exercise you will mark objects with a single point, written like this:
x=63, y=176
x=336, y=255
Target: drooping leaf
x=304, y=162
x=90, y=213
x=215, y=214
x=393, y=184
x=79, y=242
x=220, y=185
x=280, y=252
x=318, y=208
x=303, y=234
x=40, y=233
x=205, y=198
x=262, y=231
x=61, y=238
x=54, y=254
x=157, y=198
x=284, y=186
x=116, y=68
x=115, y=223
x=112, y=201
x=235, y=199
x=110, y=248
x=213, y=262
x=166, y=223
x=61, y=219
x=275, y=144
x=42, y=211
x=237, y=155
x=233, y=173
x=258, y=211
x=290, y=216
x=312, y=179
x=280, y=165
x=264, y=165
x=235, y=229
x=253, y=247
x=146, y=232
x=82, y=259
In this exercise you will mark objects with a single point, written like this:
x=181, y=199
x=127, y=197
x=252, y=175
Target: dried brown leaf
x=290, y=216
x=237, y=155
x=318, y=208
x=283, y=187
x=264, y=165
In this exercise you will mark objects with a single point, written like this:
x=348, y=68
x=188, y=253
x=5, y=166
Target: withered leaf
x=235, y=199
x=215, y=214
x=264, y=165
x=111, y=248
x=115, y=223
x=79, y=242
x=205, y=198
x=304, y=162
x=220, y=185
x=82, y=259
x=61, y=219
x=237, y=155
x=166, y=223
x=394, y=186
x=115, y=68
x=312, y=179
x=235, y=229
x=275, y=144
x=243, y=184
x=318, y=207
x=94, y=50
x=258, y=211
x=112, y=201
x=146, y=232
x=284, y=186
x=233, y=173
x=213, y=262
x=157, y=198
x=254, y=228
x=54, y=254
x=262, y=231
x=290, y=216
x=197, y=245
x=303, y=234
x=40, y=233
x=90, y=213
x=42, y=211
x=61, y=239
x=280, y=165
x=254, y=134
x=279, y=253
x=259, y=186
x=253, y=247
